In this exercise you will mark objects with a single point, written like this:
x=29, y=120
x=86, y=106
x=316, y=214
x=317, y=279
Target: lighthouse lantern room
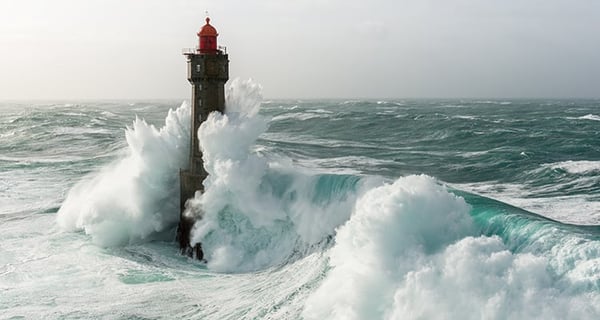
x=208, y=38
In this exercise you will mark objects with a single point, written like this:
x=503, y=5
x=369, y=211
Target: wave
x=301, y=116
x=414, y=250
x=571, y=251
x=408, y=249
x=136, y=197
x=343, y=165
x=590, y=117
x=492, y=102
x=411, y=248
x=576, y=167
x=465, y=117
x=255, y=213
x=565, y=190
x=573, y=208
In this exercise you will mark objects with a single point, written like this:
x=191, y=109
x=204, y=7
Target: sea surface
x=314, y=209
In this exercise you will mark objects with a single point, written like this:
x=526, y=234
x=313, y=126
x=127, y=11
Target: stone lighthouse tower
x=208, y=70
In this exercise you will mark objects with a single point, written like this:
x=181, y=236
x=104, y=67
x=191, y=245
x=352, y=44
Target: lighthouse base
x=189, y=184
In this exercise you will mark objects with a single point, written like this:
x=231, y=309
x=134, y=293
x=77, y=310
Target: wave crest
x=256, y=213
x=136, y=197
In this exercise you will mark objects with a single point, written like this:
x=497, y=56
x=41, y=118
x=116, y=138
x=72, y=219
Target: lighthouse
x=208, y=70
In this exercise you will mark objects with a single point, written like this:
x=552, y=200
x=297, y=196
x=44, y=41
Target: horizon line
x=2, y=100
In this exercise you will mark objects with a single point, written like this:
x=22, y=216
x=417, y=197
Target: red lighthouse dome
x=208, y=38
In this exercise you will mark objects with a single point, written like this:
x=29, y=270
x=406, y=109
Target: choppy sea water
x=314, y=209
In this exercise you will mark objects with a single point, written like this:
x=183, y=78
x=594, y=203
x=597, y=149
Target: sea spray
x=513, y=266
x=391, y=228
x=411, y=250
x=572, y=251
x=135, y=197
x=255, y=212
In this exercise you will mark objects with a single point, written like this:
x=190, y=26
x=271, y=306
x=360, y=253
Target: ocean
x=314, y=209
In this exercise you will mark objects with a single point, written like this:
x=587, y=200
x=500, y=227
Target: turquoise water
x=315, y=209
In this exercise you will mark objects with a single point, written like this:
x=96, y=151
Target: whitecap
x=590, y=117
x=576, y=167
x=137, y=196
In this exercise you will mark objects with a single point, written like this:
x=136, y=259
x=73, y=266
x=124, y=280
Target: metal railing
x=186, y=51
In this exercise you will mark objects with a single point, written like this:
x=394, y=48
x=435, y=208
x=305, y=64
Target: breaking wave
x=413, y=250
x=409, y=248
x=135, y=198
x=590, y=117
x=258, y=212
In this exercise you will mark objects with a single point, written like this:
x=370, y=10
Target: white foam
x=11, y=133
x=389, y=223
x=577, y=167
x=137, y=196
x=590, y=117
x=465, y=117
x=409, y=252
x=577, y=209
x=320, y=111
x=301, y=116
x=79, y=131
x=342, y=165
x=248, y=220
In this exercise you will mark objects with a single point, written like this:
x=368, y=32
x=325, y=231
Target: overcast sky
x=121, y=49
